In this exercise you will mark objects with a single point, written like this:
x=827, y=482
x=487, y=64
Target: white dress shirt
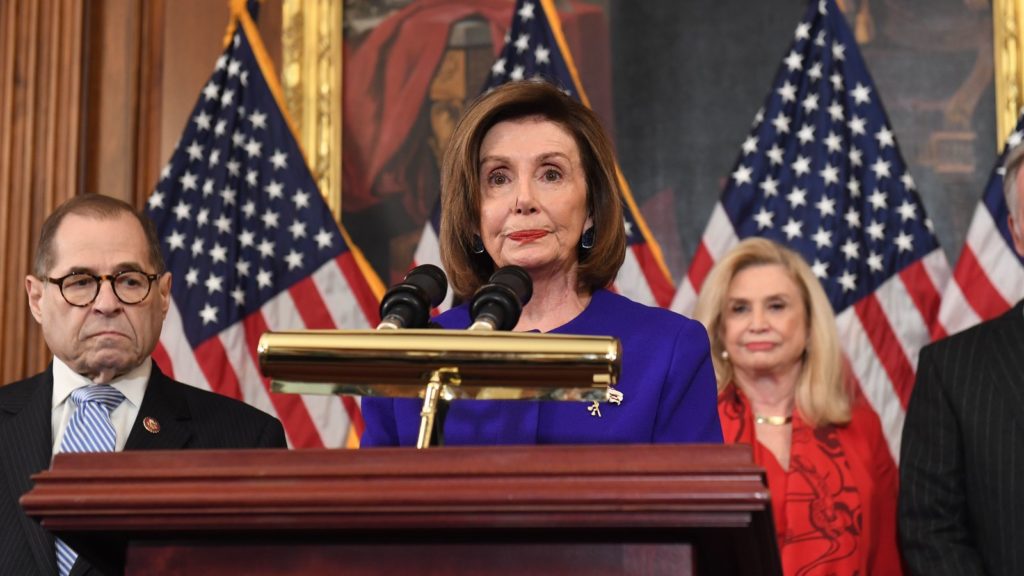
x=132, y=385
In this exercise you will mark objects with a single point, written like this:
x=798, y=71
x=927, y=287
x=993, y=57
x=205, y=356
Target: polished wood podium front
x=536, y=510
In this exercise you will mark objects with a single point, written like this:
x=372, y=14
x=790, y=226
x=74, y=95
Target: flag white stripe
x=183, y=360
x=429, y=252
x=719, y=236
x=631, y=282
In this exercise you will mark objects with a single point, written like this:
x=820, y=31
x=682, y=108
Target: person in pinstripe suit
x=102, y=333
x=961, y=507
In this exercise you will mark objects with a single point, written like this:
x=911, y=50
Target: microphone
x=408, y=304
x=498, y=304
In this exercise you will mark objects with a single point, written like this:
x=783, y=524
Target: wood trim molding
x=150, y=98
x=462, y=510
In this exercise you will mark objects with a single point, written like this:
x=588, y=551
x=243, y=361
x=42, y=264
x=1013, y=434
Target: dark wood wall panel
x=40, y=92
x=111, y=97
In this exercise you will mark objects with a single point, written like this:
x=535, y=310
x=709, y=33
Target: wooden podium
x=537, y=510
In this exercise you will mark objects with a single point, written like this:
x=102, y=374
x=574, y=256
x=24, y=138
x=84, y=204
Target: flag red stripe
x=310, y=305
x=978, y=290
x=887, y=347
x=289, y=407
x=700, y=267
x=163, y=360
x=360, y=289
x=213, y=361
x=661, y=288
x=924, y=294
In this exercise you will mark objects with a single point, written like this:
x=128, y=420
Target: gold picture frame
x=311, y=54
x=1007, y=24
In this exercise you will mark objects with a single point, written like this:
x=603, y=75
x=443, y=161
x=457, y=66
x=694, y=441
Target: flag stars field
x=244, y=242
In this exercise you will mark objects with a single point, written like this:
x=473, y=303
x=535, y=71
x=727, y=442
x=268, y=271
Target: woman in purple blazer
x=529, y=179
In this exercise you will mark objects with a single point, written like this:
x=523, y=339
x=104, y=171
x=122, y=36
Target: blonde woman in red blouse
x=782, y=388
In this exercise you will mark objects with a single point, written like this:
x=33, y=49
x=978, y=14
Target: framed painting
x=377, y=86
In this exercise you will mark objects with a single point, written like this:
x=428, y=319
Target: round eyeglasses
x=81, y=289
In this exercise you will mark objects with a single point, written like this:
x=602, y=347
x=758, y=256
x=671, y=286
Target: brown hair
x=822, y=396
x=102, y=208
x=460, y=183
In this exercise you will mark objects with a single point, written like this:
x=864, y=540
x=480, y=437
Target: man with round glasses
x=81, y=288
x=100, y=293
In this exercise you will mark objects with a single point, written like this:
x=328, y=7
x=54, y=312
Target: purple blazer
x=667, y=382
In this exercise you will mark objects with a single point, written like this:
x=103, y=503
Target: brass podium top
x=475, y=364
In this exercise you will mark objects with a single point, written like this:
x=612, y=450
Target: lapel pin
x=151, y=425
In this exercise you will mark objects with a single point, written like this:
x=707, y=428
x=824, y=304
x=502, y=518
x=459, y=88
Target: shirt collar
x=132, y=385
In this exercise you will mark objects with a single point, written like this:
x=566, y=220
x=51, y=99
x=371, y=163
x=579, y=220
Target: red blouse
x=835, y=507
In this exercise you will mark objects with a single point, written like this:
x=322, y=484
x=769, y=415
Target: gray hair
x=94, y=206
x=1012, y=166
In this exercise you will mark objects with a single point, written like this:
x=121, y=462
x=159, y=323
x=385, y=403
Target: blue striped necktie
x=89, y=430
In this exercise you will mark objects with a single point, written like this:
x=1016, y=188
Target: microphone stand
x=435, y=404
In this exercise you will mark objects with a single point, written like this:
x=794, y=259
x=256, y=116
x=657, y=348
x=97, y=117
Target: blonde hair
x=822, y=395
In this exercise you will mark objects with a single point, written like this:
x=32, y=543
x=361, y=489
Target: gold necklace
x=773, y=420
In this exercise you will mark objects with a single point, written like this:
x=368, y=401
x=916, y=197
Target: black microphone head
x=408, y=304
x=517, y=279
x=500, y=302
x=404, y=306
x=431, y=280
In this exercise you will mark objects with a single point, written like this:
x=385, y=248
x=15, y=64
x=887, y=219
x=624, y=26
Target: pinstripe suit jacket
x=962, y=460
x=188, y=417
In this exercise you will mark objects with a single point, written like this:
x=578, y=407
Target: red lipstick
x=525, y=236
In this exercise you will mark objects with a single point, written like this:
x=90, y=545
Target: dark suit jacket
x=188, y=417
x=962, y=461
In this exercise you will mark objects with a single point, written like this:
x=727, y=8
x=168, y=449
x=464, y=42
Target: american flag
x=536, y=48
x=989, y=276
x=822, y=173
x=253, y=247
